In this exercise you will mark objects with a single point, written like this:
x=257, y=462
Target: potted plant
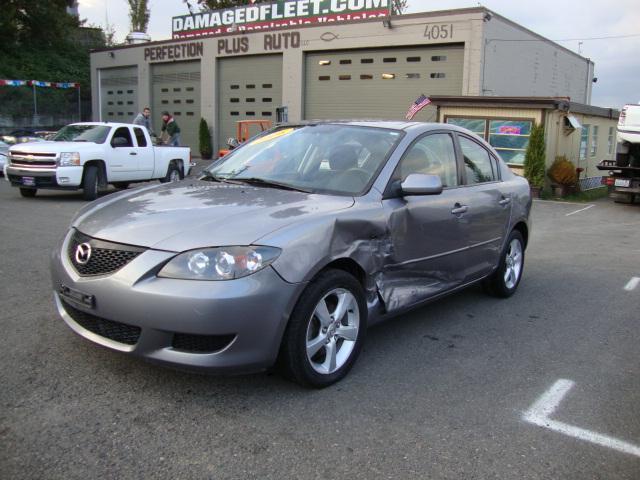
x=563, y=174
x=534, y=160
x=206, y=150
x=139, y=16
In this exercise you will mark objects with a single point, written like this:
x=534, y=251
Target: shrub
x=206, y=150
x=563, y=172
x=535, y=158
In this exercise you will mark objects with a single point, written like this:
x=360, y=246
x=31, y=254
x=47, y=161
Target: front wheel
x=90, y=183
x=28, y=192
x=326, y=331
x=505, y=280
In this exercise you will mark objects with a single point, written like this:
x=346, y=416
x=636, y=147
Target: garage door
x=176, y=89
x=119, y=94
x=249, y=88
x=380, y=83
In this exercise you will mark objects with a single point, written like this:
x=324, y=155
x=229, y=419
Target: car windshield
x=332, y=158
x=82, y=133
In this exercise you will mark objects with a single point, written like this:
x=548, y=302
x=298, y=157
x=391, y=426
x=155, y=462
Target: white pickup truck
x=89, y=156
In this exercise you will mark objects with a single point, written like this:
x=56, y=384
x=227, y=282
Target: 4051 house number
x=438, y=31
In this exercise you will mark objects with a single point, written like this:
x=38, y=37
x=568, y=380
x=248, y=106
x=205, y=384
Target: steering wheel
x=352, y=180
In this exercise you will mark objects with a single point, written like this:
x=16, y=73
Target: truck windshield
x=82, y=133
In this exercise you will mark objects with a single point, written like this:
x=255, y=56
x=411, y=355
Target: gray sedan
x=284, y=251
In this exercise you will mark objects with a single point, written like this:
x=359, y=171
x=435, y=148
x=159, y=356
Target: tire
x=317, y=353
x=121, y=185
x=173, y=174
x=28, y=192
x=505, y=280
x=90, y=183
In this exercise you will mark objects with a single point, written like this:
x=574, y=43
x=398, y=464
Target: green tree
x=206, y=150
x=40, y=41
x=535, y=158
x=139, y=15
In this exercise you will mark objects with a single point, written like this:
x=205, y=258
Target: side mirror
x=119, y=142
x=421, y=184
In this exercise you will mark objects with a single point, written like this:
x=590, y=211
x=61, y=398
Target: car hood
x=195, y=214
x=47, y=146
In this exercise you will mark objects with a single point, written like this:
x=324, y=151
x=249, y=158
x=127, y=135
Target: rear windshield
x=82, y=133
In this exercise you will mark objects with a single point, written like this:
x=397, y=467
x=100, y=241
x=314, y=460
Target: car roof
x=388, y=124
x=106, y=124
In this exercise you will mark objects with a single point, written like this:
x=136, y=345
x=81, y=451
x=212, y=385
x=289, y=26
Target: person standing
x=170, y=126
x=144, y=119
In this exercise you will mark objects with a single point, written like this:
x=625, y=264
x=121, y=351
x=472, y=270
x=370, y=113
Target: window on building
x=413, y=59
x=510, y=138
x=594, y=141
x=389, y=60
x=344, y=77
x=438, y=75
x=413, y=75
x=366, y=60
x=610, y=140
x=439, y=58
x=345, y=62
x=476, y=125
x=366, y=77
x=477, y=162
x=584, y=141
x=388, y=76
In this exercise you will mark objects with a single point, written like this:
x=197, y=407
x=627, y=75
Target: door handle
x=505, y=201
x=459, y=209
x=132, y=153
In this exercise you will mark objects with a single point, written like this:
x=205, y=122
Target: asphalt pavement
x=439, y=393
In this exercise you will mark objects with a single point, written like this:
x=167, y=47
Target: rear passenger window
x=142, y=141
x=122, y=132
x=478, y=164
x=431, y=155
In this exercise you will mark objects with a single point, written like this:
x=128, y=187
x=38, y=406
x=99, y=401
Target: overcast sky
x=617, y=61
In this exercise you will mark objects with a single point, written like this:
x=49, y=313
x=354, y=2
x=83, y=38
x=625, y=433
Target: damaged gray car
x=287, y=249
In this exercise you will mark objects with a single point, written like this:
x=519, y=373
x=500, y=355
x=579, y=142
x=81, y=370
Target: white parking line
x=547, y=404
x=581, y=210
x=536, y=200
x=633, y=283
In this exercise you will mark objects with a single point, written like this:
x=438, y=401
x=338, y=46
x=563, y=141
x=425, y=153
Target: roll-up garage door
x=380, y=83
x=118, y=94
x=176, y=89
x=249, y=88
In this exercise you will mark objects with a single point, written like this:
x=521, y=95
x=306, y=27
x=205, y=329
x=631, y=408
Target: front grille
x=16, y=153
x=105, y=257
x=200, y=343
x=116, y=331
x=33, y=164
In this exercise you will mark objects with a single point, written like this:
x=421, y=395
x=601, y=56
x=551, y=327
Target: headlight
x=69, y=159
x=222, y=263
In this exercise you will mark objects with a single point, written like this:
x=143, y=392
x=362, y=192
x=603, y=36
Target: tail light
x=608, y=181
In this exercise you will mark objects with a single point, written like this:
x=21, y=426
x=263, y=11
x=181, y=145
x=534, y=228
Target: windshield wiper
x=210, y=176
x=262, y=182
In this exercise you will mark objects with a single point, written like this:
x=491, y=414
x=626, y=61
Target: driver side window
x=431, y=155
x=124, y=134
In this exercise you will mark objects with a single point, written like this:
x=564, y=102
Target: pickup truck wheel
x=90, y=183
x=28, y=192
x=121, y=185
x=505, y=280
x=173, y=174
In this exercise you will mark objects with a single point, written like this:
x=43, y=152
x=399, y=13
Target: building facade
x=366, y=69
x=584, y=134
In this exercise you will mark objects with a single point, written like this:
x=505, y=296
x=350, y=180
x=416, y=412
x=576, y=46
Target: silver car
x=284, y=251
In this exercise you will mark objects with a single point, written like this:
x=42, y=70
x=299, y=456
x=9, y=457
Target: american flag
x=421, y=102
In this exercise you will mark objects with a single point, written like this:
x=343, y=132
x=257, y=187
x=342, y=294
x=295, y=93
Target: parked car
x=290, y=246
x=89, y=156
x=4, y=150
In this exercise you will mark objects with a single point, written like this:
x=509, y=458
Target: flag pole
x=79, y=105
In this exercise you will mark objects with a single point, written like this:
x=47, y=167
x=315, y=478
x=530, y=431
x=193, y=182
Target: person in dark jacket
x=170, y=126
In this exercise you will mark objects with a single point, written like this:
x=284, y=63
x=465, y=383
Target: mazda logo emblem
x=83, y=253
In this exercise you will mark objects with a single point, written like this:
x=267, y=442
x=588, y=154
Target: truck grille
x=33, y=160
x=104, y=258
x=116, y=331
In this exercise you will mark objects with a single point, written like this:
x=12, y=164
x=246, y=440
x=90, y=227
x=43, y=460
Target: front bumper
x=243, y=319
x=64, y=178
